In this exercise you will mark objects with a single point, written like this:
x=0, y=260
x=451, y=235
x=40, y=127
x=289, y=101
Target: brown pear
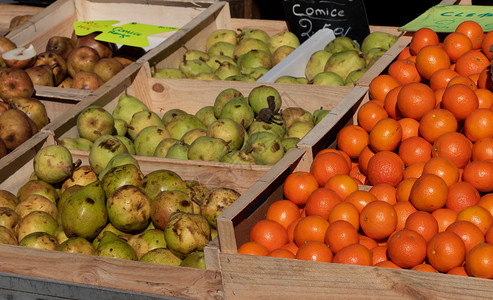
x=57, y=63
x=66, y=83
x=41, y=75
x=124, y=60
x=15, y=83
x=34, y=109
x=22, y=57
x=6, y=44
x=85, y=80
x=18, y=20
x=82, y=58
x=3, y=149
x=15, y=128
x=60, y=45
x=108, y=67
x=3, y=107
x=104, y=49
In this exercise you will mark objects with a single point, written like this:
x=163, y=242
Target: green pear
x=162, y=256
x=232, y=132
x=53, y=163
x=170, y=114
x=36, y=221
x=208, y=148
x=216, y=60
x=289, y=143
x=206, y=115
x=354, y=76
x=278, y=129
x=119, y=160
x=147, y=240
x=255, y=58
x=316, y=63
x=291, y=79
x=248, y=44
x=238, y=157
x=378, y=39
x=169, y=73
x=163, y=180
x=129, y=208
x=120, y=127
x=253, y=33
x=7, y=237
x=82, y=175
x=163, y=147
x=254, y=72
x=238, y=110
x=192, y=54
x=344, y=62
x=221, y=35
x=206, y=76
x=109, y=227
x=328, y=78
x=224, y=97
x=127, y=142
x=226, y=69
x=84, y=213
x=181, y=124
x=103, y=150
x=76, y=143
x=77, y=244
x=241, y=77
x=186, y=233
x=118, y=176
x=264, y=96
x=216, y=202
x=127, y=106
x=194, y=260
x=193, y=67
x=93, y=122
x=141, y=120
x=299, y=129
x=294, y=114
x=33, y=186
x=148, y=138
x=178, y=151
x=319, y=114
x=168, y=202
x=341, y=43
x=113, y=246
x=281, y=53
x=39, y=240
x=265, y=147
x=221, y=49
x=282, y=38
x=372, y=55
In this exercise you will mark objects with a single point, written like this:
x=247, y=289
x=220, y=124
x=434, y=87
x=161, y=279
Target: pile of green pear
x=243, y=55
x=117, y=212
x=237, y=128
x=343, y=61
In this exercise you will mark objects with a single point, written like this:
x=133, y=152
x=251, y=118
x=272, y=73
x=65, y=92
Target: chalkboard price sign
x=344, y=17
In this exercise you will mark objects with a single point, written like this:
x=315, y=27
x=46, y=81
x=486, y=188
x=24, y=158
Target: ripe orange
x=466, y=80
x=471, y=62
x=342, y=185
x=384, y=192
x=298, y=186
x=489, y=235
x=292, y=225
x=461, y=195
x=410, y=127
x=381, y=85
x=486, y=44
x=484, y=78
x=454, y=146
x=403, y=209
x=354, y=254
x=364, y=158
x=368, y=242
x=458, y=271
x=345, y=211
x=424, y=267
x=436, y=122
x=413, y=170
x=327, y=165
x=444, y=168
x=428, y=193
x=438, y=96
x=470, y=234
x=460, y=100
x=456, y=44
x=282, y=253
x=352, y=139
x=405, y=53
x=477, y=215
x=472, y=30
x=485, y=97
x=421, y=38
x=444, y=217
x=314, y=251
x=369, y=114
x=423, y=223
x=269, y=233
x=310, y=228
x=441, y=78
x=291, y=246
x=344, y=154
x=479, y=124
x=253, y=248
x=445, y=251
x=360, y=199
x=415, y=99
x=283, y=212
x=403, y=189
x=385, y=135
x=406, y=248
x=479, y=261
x=378, y=219
x=321, y=202
x=480, y=174
x=415, y=149
x=379, y=254
x=390, y=103
x=430, y=59
x=486, y=201
x=404, y=71
x=339, y=234
x=357, y=173
x=385, y=167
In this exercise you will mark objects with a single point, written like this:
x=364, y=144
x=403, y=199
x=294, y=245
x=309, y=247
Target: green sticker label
x=132, y=34
x=446, y=18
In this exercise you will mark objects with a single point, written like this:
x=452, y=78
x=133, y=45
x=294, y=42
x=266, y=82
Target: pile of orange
x=423, y=147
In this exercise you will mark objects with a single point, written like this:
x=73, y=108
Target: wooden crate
x=57, y=20
x=280, y=278
x=9, y=11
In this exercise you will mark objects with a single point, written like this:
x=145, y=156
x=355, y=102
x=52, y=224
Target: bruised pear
x=15, y=128
x=121, y=175
x=186, y=233
x=119, y=159
x=147, y=240
x=197, y=191
x=195, y=259
x=342, y=63
x=60, y=45
x=76, y=143
x=162, y=180
x=7, y=237
x=129, y=208
x=299, y=129
x=115, y=247
x=221, y=35
x=238, y=157
x=103, y=150
x=216, y=202
x=163, y=147
x=77, y=244
x=39, y=240
x=232, y=132
x=94, y=121
x=206, y=115
x=161, y=256
x=82, y=175
x=181, y=124
x=33, y=108
x=33, y=186
x=264, y=96
x=265, y=147
x=15, y=83
x=294, y=114
x=53, y=164
x=141, y=120
x=82, y=58
x=208, y=148
x=56, y=63
x=8, y=218
x=36, y=221
x=127, y=106
x=166, y=203
x=148, y=138
x=36, y=202
x=238, y=110
x=224, y=97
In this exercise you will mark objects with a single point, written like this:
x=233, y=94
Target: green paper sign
x=446, y=18
x=132, y=34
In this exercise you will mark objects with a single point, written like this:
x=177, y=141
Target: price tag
x=446, y=18
x=132, y=34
